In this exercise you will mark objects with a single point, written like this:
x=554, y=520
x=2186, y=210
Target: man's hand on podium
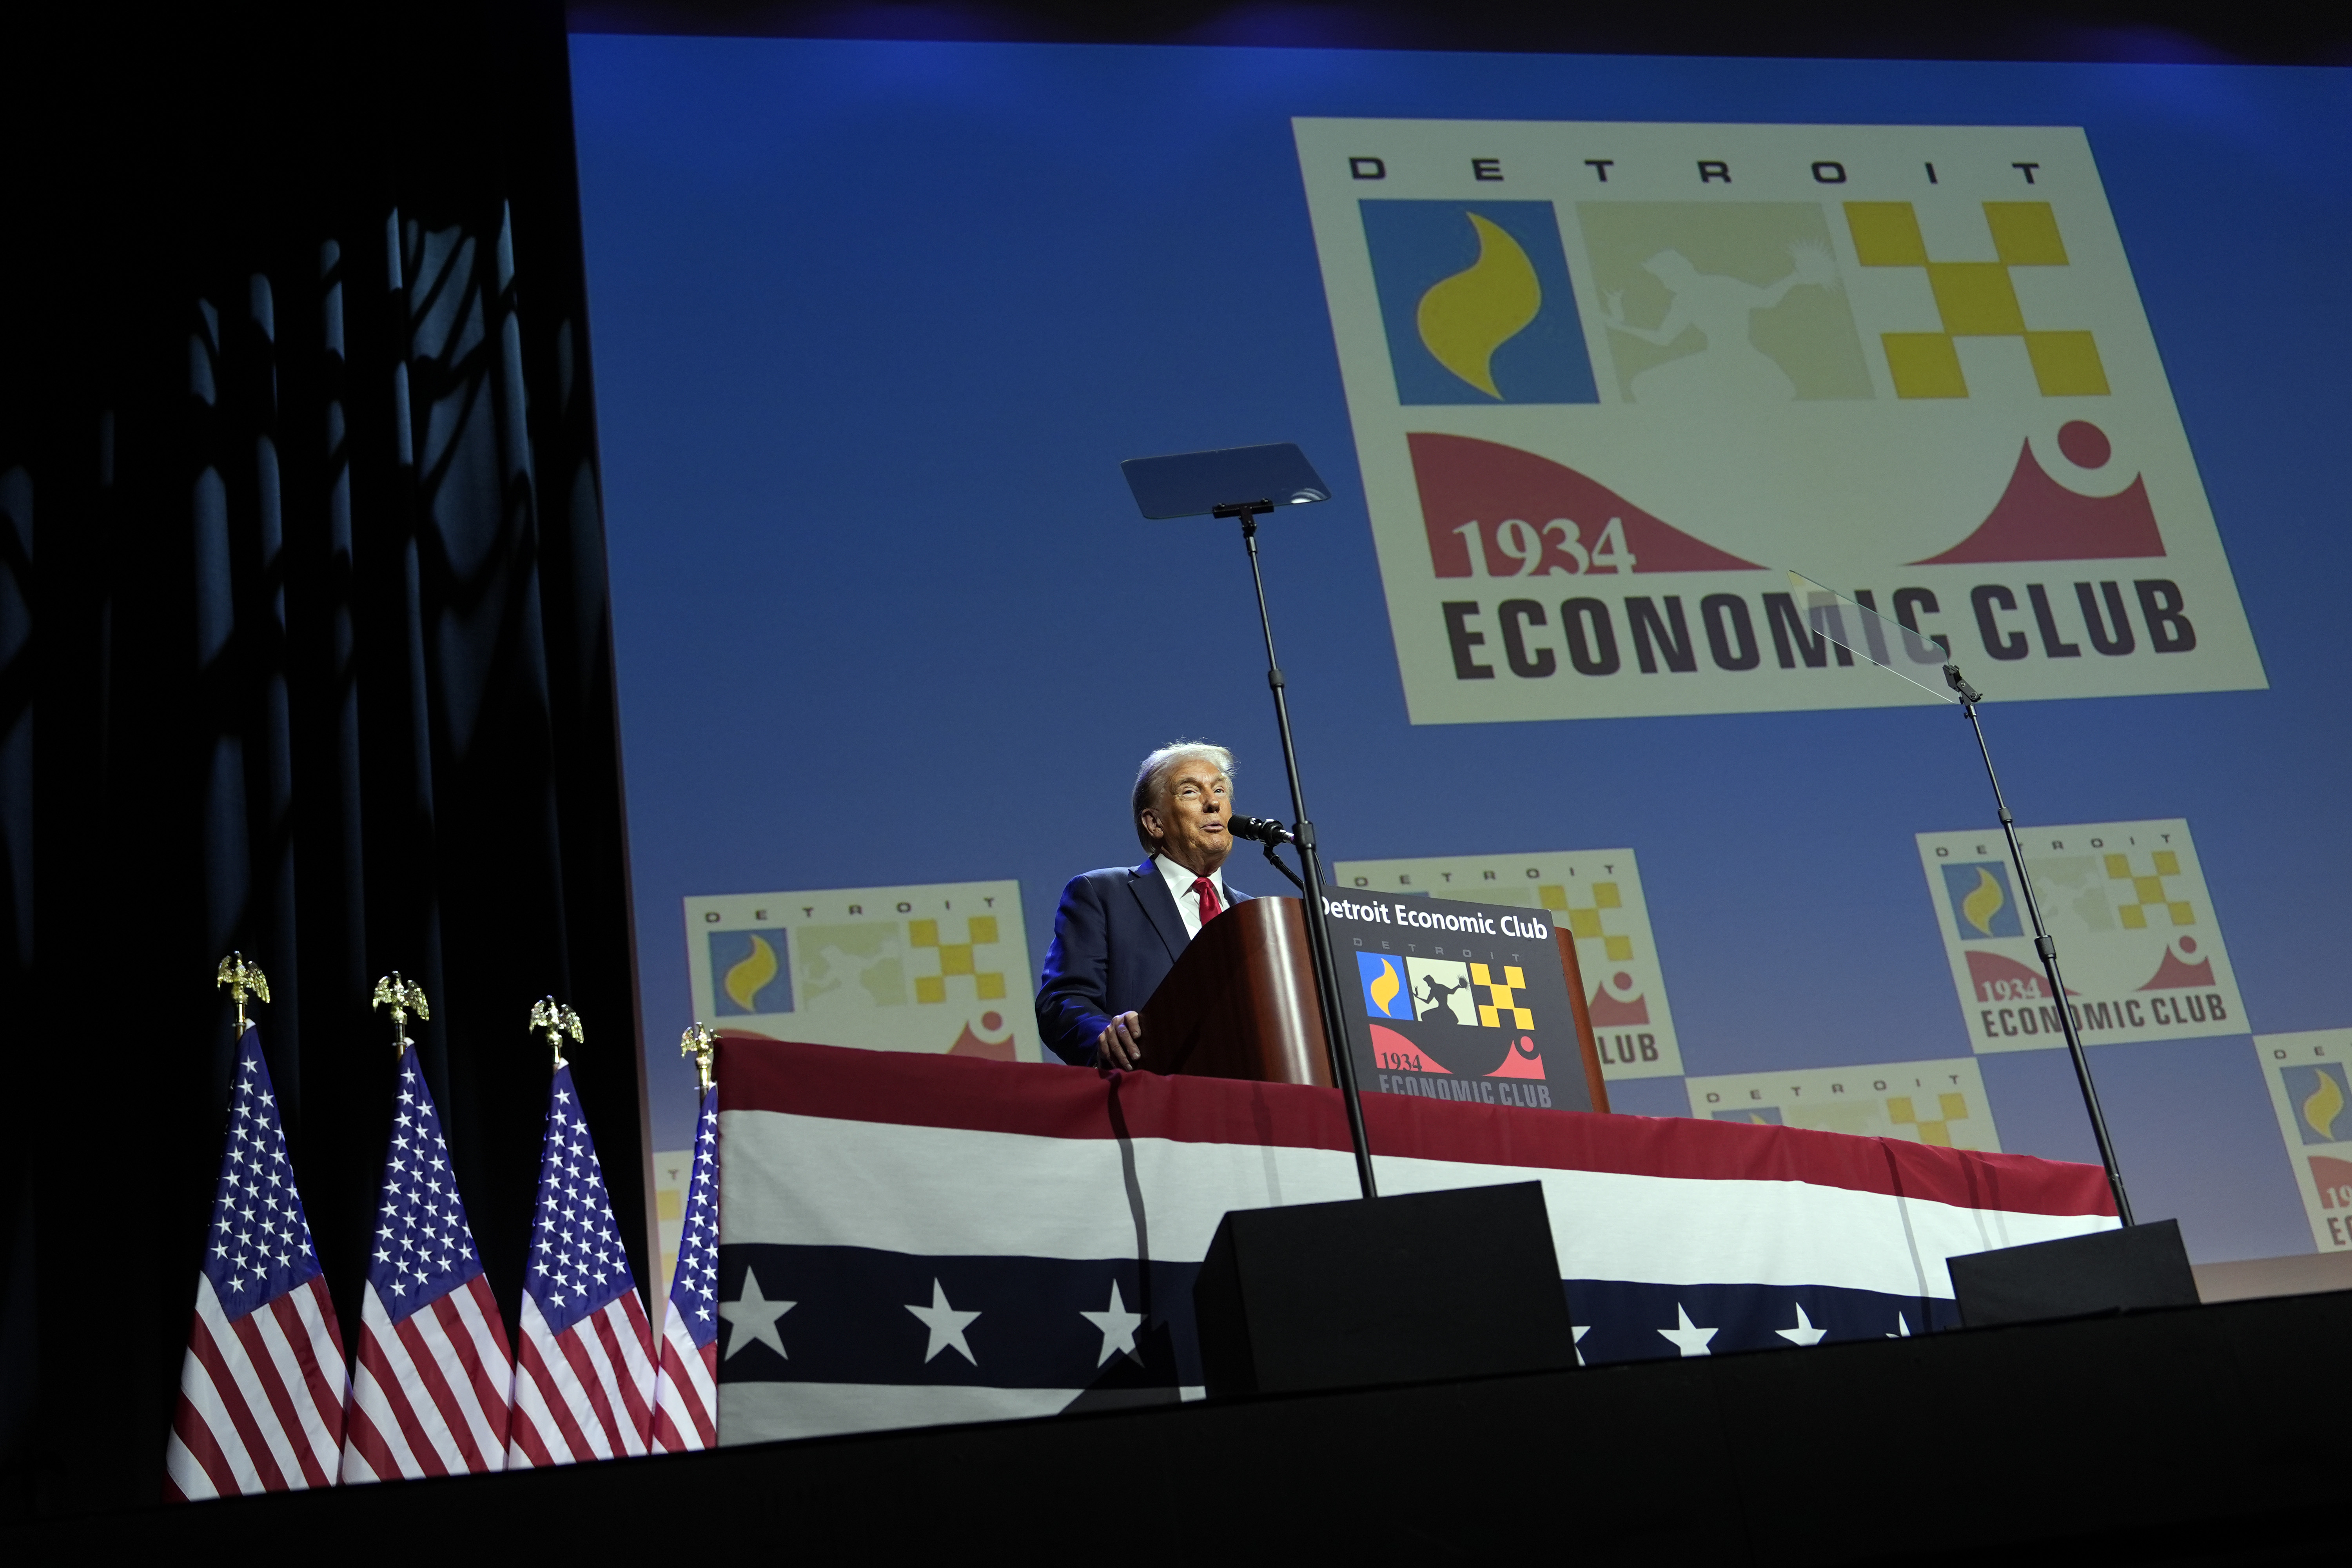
x=1121, y=1045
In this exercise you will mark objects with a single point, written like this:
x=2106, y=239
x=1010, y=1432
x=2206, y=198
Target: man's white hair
x=1151, y=778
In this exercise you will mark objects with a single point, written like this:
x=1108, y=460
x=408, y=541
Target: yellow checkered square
x=1885, y=234
x=2066, y=365
x=1924, y=365
x=1502, y=998
x=2025, y=234
x=1976, y=299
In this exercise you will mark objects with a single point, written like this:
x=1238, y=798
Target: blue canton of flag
x=423, y=1248
x=694, y=1290
x=685, y=1406
x=262, y=1386
x=260, y=1243
x=583, y=1382
x=578, y=1265
x=430, y=1395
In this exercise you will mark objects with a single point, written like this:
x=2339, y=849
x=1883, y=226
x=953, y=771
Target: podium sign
x=1457, y=1001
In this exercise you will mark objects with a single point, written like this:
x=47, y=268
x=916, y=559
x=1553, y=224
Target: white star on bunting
x=753, y=1317
x=1804, y=1333
x=947, y=1326
x=1688, y=1337
x=1118, y=1326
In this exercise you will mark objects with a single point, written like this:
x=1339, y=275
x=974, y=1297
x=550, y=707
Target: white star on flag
x=1580, y=1331
x=753, y=1317
x=1804, y=1333
x=1903, y=1328
x=1118, y=1326
x=1688, y=1337
x=947, y=1325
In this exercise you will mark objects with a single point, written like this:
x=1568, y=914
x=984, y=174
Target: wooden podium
x=1240, y=1001
x=1241, y=1004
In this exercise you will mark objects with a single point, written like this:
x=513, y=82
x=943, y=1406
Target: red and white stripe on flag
x=261, y=1397
x=586, y=1392
x=429, y=1397
x=685, y=1414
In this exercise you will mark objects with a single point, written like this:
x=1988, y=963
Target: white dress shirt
x=1187, y=903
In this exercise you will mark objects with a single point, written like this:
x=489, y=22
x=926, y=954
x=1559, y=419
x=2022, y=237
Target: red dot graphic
x=2084, y=444
x=1622, y=981
x=2188, y=944
x=992, y=1020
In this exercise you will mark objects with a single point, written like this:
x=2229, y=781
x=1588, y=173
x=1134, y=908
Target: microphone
x=1264, y=829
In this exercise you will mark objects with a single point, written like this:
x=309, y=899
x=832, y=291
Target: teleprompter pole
x=1318, y=932
x=2043, y=944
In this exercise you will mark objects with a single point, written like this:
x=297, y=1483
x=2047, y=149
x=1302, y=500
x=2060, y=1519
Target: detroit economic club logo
x=1608, y=382
x=2138, y=939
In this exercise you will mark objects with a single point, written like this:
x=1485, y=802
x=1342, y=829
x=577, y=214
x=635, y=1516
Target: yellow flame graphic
x=1466, y=317
x=750, y=974
x=2322, y=1106
x=1384, y=990
x=1983, y=904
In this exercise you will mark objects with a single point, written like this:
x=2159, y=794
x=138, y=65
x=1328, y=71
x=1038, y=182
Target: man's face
x=1189, y=823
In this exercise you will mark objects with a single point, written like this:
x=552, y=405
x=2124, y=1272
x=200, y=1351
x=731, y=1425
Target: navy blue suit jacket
x=1116, y=937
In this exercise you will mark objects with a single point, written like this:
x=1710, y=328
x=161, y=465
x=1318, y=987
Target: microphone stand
x=1318, y=932
x=1970, y=696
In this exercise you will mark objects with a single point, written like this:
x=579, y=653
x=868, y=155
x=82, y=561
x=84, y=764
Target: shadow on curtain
x=303, y=651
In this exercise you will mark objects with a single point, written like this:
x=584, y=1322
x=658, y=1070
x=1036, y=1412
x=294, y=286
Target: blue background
x=875, y=322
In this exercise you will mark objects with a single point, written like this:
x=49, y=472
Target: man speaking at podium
x=1119, y=930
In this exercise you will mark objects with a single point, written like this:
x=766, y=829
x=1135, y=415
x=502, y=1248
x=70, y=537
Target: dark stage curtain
x=304, y=650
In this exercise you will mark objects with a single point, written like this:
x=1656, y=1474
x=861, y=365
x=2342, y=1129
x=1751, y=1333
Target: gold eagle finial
x=403, y=997
x=558, y=1020
x=243, y=979
x=701, y=1043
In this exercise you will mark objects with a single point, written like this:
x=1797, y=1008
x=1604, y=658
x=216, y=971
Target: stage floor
x=2204, y=1435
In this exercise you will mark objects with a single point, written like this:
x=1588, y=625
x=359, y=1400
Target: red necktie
x=1210, y=908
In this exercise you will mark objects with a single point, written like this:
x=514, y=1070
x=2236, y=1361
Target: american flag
x=429, y=1397
x=685, y=1404
x=583, y=1379
x=262, y=1387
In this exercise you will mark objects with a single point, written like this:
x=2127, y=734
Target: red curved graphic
x=1389, y=1040
x=1990, y=969
x=2038, y=519
x=1522, y=1060
x=1464, y=480
x=2174, y=975
x=1608, y=1012
x=970, y=1044
x=2333, y=1177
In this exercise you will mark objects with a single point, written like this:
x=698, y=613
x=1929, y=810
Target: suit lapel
x=1151, y=891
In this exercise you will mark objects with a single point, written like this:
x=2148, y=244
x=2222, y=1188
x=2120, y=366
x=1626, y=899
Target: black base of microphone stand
x=1328, y=991
x=1970, y=696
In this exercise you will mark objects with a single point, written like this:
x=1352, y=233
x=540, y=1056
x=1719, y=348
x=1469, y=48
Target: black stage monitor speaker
x=1398, y=1289
x=2106, y=1271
